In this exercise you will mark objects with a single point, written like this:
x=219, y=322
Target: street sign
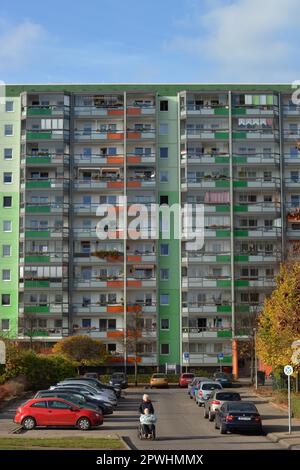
x=288, y=370
x=221, y=356
x=2, y=352
x=186, y=356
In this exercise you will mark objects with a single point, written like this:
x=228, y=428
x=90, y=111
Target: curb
x=127, y=442
x=277, y=440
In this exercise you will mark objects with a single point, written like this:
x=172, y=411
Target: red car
x=56, y=412
x=185, y=379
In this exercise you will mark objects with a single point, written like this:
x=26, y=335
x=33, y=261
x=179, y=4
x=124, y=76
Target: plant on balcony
x=111, y=255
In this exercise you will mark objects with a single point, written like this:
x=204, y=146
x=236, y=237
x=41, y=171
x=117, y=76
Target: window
x=295, y=176
x=164, y=274
x=8, y=154
x=164, y=105
x=6, y=250
x=5, y=324
x=163, y=129
x=5, y=300
x=86, y=323
x=8, y=130
x=267, y=175
x=7, y=225
x=164, y=324
x=165, y=348
x=39, y=404
x=164, y=199
x=164, y=152
x=295, y=200
x=6, y=275
x=7, y=177
x=60, y=405
x=164, y=176
x=9, y=106
x=7, y=201
x=164, y=249
x=58, y=323
x=164, y=299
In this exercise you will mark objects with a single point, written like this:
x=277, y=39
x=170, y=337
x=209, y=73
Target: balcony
x=256, y=159
x=202, y=158
x=205, y=182
x=102, y=182
x=292, y=183
x=207, y=332
x=47, y=232
x=98, y=135
x=258, y=208
x=54, y=110
x=258, y=257
x=140, y=110
x=143, y=181
x=201, y=110
x=257, y=232
x=116, y=111
x=48, y=308
x=38, y=134
x=205, y=134
x=37, y=257
x=45, y=183
x=42, y=334
x=200, y=258
x=206, y=307
x=263, y=282
x=291, y=134
x=255, y=134
x=255, y=110
x=50, y=208
x=43, y=283
x=257, y=183
x=140, y=134
x=45, y=159
x=98, y=160
x=291, y=110
x=206, y=282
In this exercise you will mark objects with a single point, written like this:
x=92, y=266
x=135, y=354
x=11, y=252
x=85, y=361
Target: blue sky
x=138, y=41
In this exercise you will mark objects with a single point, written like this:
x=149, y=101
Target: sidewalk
x=282, y=437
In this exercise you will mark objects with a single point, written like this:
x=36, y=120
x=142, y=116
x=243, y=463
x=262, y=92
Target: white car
x=104, y=395
x=205, y=390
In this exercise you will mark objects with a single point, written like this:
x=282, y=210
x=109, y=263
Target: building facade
x=68, y=149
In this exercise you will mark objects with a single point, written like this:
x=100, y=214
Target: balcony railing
x=103, y=110
x=207, y=332
x=45, y=183
x=42, y=332
x=47, y=134
x=108, y=134
x=46, y=110
x=49, y=207
x=45, y=158
x=99, y=159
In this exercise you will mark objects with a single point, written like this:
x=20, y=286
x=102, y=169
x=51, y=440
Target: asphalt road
x=180, y=425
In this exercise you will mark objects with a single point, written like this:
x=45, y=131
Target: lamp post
x=255, y=359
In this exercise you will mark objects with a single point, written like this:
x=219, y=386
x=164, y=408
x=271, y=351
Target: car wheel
x=223, y=429
x=83, y=424
x=216, y=425
x=210, y=416
x=28, y=423
x=199, y=403
x=191, y=397
x=205, y=414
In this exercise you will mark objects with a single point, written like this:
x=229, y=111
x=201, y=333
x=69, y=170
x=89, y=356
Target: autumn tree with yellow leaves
x=279, y=321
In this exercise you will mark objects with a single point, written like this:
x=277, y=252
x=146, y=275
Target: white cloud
x=18, y=43
x=244, y=38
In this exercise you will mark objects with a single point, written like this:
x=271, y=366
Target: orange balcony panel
x=134, y=135
x=134, y=283
x=115, y=309
x=115, y=112
x=132, y=360
x=134, y=159
x=115, y=359
x=115, y=284
x=115, y=334
x=115, y=184
x=134, y=308
x=134, y=111
x=134, y=259
x=134, y=184
x=112, y=160
x=115, y=136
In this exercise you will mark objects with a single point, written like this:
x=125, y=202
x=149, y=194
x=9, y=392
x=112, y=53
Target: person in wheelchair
x=147, y=421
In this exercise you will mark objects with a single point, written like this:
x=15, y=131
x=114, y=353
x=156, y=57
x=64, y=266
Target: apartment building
x=67, y=149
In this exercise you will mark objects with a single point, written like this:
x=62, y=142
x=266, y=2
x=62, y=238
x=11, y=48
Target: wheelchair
x=141, y=434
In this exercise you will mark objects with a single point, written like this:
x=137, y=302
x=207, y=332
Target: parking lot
x=180, y=423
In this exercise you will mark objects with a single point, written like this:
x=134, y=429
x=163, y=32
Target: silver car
x=216, y=400
x=191, y=386
x=205, y=390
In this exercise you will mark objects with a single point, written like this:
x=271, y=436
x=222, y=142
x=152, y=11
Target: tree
x=279, y=322
x=81, y=349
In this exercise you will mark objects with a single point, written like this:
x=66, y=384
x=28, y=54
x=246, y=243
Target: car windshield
x=221, y=375
x=228, y=396
x=210, y=386
x=158, y=376
x=117, y=376
x=187, y=376
x=242, y=407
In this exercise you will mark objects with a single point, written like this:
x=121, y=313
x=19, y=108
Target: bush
x=40, y=371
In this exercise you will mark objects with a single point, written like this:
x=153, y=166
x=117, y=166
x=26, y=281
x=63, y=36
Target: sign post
x=186, y=358
x=288, y=370
x=221, y=358
x=2, y=352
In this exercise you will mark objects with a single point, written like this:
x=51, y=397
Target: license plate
x=244, y=418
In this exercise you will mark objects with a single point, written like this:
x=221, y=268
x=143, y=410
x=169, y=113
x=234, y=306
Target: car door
x=39, y=412
x=223, y=413
x=61, y=413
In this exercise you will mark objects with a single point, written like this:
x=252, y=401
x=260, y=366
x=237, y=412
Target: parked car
x=159, y=380
x=104, y=406
x=93, y=391
x=194, y=386
x=55, y=412
x=92, y=375
x=109, y=393
x=185, y=379
x=116, y=390
x=223, y=378
x=205, y=390
x=119, y=379
x=77, y=400
x=216, y=400
x=238, y=416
